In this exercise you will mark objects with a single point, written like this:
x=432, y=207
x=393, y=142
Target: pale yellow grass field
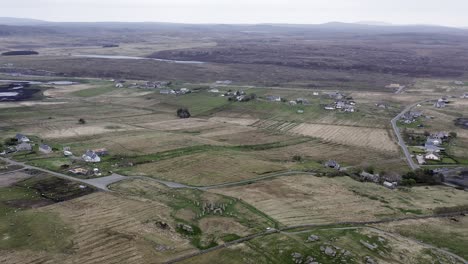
x=78, y=130
x=232, y=120
x=304, y=199
x=211, y=167
x=373, y=138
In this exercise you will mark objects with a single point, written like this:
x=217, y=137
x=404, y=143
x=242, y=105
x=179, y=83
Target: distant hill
x=31, y=26
x=374, y=23
x=20, y=21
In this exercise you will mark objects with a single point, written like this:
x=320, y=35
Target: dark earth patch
x=462, y=122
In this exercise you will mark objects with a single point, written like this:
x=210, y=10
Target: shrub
x=297, y=158
x=81, y=121
x=422, y=176
x=183, y=113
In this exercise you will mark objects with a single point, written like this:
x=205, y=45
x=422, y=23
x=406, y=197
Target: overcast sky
x=443, y=12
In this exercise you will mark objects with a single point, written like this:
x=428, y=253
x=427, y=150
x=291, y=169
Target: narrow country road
x=56, y=174
x=102, y=183
x=401, y=142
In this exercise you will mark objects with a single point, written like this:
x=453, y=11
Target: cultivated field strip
x=109, y=229
x=373, y=138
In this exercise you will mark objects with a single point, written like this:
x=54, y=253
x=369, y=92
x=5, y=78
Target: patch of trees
x=422, y=176
x=183, y=113
x=20, y=52
x=110, y=46
x=11, y=142
x=81, y=121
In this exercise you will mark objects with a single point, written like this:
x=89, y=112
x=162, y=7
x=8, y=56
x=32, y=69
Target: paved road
x=401, y=142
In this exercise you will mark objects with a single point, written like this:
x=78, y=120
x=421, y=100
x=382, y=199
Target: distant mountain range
x=357, y=27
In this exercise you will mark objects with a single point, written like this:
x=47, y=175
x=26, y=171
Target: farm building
x=226, y=82
x=119, y=85
x=79, y=171
x=302, y=101
x=214, y=90
x=273, y=98
x=440, y=135
x=101, y=151
x=167, y=91
x=390, y=185
x=332, y=164
x=21, y=138
x=434, y=141
x=91, y=156
x=420, y=159
x=46, y=149
x=365, y=176
x=24, y=147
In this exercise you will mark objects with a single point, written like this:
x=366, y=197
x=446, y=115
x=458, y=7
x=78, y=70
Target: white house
x=273, y=98
x=46, y=149
x=21, y=138
x=214, y=90
x=432, y=156
x=91, y=156
x=119, y=85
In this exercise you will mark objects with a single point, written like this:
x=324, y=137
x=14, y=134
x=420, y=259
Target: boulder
x=370, y=260
x=313, y=238
x=330, y=251
x=297, y=258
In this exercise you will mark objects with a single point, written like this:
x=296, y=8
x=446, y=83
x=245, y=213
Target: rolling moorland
x=251, y=175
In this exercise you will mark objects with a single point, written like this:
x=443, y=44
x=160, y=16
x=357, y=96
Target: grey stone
x=330, y=251
x=370, y=260
x=313, y=238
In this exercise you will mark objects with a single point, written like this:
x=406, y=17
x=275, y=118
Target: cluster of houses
x=145, y=85
x=376, y=178
x=239, y=96
x=342, y=103
x=410, y=117
x=300, y=101
x=180, y=91
x=24, y=144
x=90, y=156
x=432, y=147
